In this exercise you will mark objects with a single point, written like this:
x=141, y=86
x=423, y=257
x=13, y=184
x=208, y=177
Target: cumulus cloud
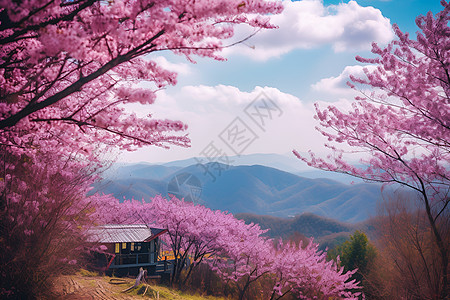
x=338, y=85
x=180, y=68
x=209, y=110
x=309, y=24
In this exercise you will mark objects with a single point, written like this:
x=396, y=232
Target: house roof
x=123, y=233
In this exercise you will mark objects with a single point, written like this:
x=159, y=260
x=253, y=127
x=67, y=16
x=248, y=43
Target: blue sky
x=306, y=60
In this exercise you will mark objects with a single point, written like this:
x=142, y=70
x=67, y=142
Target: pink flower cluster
x=67, y=68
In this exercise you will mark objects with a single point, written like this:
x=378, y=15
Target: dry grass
x=89, y=286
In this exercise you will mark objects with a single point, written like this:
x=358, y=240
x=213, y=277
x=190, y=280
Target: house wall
x=135, y=253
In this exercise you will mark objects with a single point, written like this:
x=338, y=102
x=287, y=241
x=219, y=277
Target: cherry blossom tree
x=246, y=257
x=306, y=273
x=302, y=272
x=194, y=231
x=403, y=122
x=75, y=65
x=43, y=212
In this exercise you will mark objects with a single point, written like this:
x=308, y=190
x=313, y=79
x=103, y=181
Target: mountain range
x=253, y=189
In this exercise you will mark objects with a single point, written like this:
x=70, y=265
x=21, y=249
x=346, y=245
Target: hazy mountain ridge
x=288, y=163
x=249, y=189
x=326, y=231
x=309, y=224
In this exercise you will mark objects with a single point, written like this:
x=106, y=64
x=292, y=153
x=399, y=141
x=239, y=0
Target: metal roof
x=123, y=233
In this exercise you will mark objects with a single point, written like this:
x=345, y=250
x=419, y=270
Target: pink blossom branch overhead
x=75, y=63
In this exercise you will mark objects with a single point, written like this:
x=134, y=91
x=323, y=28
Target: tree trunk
x=442, y=292
x=244, y=289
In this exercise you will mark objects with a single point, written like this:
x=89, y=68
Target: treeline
x=327, y=232
x=397, y=258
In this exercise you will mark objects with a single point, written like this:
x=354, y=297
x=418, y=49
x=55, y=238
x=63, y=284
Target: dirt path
x=83, y=288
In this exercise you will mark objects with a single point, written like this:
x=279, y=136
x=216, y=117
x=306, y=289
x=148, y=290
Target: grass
x=168, y=293
x=86, y=273
x=86, y=283
x=172, y=294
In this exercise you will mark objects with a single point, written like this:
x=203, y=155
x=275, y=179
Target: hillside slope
x=247, y=189
x=325, y=231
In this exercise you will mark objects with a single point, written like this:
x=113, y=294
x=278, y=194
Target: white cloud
x=338, y=85
x=180, y=68
x=309, y=24
x=208, y=110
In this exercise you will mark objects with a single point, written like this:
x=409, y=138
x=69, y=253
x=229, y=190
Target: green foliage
x=356, y=253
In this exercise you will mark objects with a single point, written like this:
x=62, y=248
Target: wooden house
x=126, y=248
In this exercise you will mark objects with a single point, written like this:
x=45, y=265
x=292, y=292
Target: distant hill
x=308, y=224
x=140, y=170
x=327, y=232
x=252, y=189
x=288, y=163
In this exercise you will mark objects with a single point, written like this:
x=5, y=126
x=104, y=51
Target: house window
x=117, y=248
x=132, y=246
x=124, y=245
